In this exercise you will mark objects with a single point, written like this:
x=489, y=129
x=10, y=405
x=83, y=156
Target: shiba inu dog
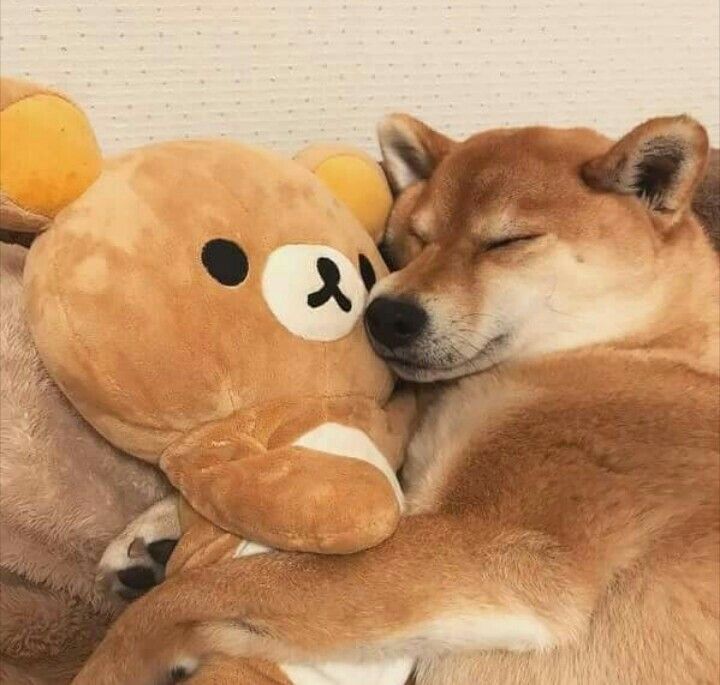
x=560, y=301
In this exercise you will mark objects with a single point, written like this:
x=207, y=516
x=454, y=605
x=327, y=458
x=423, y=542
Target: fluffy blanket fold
x=64, y=494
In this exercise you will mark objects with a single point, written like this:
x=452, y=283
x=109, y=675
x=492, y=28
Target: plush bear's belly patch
x=344, y=441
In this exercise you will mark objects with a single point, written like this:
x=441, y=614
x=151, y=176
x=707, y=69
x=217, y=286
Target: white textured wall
x=283, y=72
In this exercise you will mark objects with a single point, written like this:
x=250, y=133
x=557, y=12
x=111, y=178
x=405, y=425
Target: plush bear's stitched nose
x=395, y=322
x=330, y=275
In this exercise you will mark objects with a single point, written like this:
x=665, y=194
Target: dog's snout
x=395, y=322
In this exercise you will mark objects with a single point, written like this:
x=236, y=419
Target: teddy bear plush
x=200, y=305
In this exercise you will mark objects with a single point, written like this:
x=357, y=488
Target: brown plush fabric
x=245, y=373
x=151, y=347
x=64, y=494
x=361, y=507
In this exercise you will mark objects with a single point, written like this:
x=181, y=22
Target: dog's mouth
x=425, y=366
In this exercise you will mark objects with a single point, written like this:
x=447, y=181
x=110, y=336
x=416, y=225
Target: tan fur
x=564, y=499
x=65, y=493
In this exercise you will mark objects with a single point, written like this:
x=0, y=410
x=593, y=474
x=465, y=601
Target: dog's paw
x=134, y=562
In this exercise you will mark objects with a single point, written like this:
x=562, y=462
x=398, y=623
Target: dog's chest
x=461, y=415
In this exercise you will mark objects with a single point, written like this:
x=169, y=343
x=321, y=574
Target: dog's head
x=521, y=242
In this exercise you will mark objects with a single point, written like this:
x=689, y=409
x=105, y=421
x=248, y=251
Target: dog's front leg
x=441, y=583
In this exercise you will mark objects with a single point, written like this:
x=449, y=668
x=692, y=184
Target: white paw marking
x=475, y=631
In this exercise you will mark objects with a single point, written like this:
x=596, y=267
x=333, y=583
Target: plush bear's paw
x=135, y=560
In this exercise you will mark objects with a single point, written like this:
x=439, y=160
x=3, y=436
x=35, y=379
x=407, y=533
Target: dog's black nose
x=395, y=322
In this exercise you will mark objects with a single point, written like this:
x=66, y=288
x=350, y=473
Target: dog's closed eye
x=508, y=240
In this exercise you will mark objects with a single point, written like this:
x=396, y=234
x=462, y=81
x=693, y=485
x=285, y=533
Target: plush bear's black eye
x=225, y=261
x=367, y=272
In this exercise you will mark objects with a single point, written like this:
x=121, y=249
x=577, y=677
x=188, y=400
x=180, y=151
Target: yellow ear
x=356, y=179
x=48, y=153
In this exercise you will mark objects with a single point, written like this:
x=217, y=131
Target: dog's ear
x=661, y=161
x=411, y=150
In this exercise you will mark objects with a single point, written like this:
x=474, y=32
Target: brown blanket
x=64, y=494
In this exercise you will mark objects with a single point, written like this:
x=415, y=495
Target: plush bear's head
x=194, y=279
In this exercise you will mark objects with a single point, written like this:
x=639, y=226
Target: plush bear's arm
x=295, y=499
x=319, y=482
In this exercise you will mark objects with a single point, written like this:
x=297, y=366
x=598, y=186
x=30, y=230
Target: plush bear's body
x=200, y=304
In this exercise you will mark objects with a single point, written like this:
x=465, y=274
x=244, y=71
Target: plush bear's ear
x=48, y=155
x=661, y=162
x=356, y=179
